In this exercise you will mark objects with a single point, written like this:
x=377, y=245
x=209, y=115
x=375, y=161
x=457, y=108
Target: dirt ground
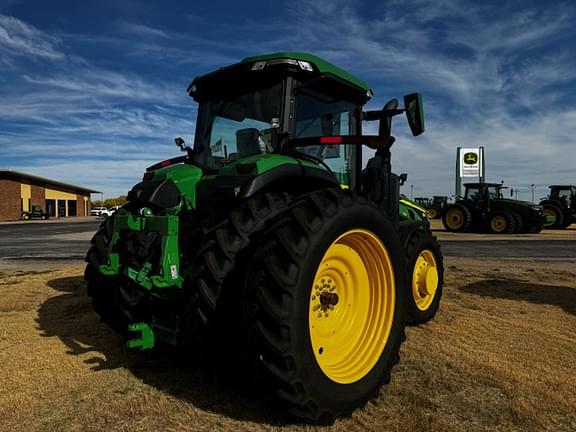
x=500, y=355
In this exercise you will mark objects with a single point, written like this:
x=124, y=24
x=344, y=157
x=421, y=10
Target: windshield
x=495, y=192
x=240, y=126
x=318, y=114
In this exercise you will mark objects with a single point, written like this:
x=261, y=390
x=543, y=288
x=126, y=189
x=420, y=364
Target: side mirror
x=414, y=112
x=402, y=178
x=180, y=143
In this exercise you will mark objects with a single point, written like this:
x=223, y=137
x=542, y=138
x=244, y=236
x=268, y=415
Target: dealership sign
x=470, y=162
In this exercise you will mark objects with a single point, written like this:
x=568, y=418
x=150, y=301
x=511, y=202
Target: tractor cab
x=560, y=206
x=565, y=194
x=483, y=192
x=300, y=106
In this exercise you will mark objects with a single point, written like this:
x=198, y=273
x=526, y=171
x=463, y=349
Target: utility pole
x=411, y=192
x=532, y=187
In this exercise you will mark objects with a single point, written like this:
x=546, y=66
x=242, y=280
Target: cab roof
x=226, y=79
x=320, y=64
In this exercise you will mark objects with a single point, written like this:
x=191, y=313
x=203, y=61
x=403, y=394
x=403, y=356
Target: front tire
x=433, y=213
x=330, y=304
x=556, y=211
x=457, y=218
x=426, y=273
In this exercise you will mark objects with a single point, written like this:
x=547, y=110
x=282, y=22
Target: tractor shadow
x=219, y=386
x=512, y=289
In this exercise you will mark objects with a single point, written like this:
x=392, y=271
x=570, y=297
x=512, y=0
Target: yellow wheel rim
x=424, y=280
x=432, y=214
x=549, y=212
x=498, y=224
x=454, y=219
x=352, y=305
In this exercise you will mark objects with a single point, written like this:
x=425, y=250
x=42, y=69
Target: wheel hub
x=425, y=280
x=324, y=298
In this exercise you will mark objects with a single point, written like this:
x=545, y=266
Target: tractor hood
x=165, y=186
x=517, y=202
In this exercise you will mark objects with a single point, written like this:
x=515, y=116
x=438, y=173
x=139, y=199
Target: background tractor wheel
x=433, y=213
x=518, y=223
x=502, y=223
x=330, y=304
x=554, y=210
x=457, y=218
x=426, y=274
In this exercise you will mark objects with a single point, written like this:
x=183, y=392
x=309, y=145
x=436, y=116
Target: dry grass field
x=500, y=356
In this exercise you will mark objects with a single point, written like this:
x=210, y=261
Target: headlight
x=536, y=208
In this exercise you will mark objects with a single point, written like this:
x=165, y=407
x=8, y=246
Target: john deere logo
x=470, y=158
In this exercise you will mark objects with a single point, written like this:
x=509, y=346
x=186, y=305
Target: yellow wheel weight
x=352, y=305
x=498, y=224
x=424, y=280
x=454, y=219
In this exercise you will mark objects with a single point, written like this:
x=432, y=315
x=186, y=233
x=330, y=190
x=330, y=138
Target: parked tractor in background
x=437, y=207
x=484, y=209
x=269, y=239
x=422, y=202
x=560, y=206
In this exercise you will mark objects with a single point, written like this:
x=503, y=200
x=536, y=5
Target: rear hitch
x=146, y=339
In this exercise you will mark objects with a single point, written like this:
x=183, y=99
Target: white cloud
x=488, y=78
x=18, y=38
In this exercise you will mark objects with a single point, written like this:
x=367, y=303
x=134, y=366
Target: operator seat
x=248, y=142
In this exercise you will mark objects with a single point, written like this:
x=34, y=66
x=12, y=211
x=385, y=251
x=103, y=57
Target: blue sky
x=93, y=92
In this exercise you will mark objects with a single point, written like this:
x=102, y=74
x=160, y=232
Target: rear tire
x=457, y=218
x=221, y=253
x=426, y=275
x=502, y=223
x=314, y=261
x=519, y=223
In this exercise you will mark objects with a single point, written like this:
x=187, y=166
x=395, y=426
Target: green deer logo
x=470, y=158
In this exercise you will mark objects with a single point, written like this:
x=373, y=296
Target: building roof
x=17, y=174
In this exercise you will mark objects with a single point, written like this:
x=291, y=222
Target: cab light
x=165, y=163
x=304, y=65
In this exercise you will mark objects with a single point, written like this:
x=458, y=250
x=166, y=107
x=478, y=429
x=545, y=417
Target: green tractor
x=560, y=206
x=437, y=207
x=484, y=209
x=422, y=202
x=269, y=230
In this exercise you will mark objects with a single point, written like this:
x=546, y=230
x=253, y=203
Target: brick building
x=20, y=191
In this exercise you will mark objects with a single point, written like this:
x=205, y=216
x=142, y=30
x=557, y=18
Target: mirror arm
x=381, y=114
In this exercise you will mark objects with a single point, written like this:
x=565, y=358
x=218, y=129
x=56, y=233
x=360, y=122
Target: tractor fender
x=295, y=179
